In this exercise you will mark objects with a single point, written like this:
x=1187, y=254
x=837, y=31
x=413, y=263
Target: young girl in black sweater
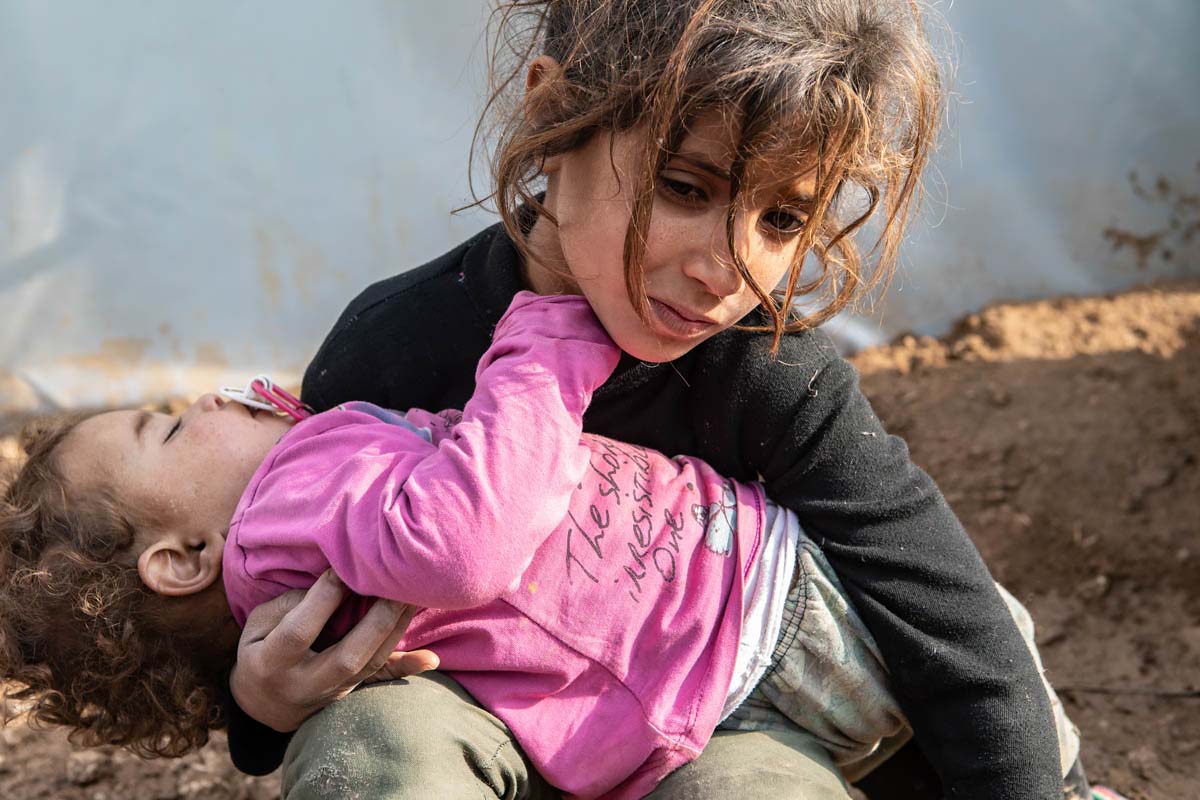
x=677, y=162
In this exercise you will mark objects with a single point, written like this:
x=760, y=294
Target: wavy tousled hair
x=849, y=88
x=83, y=642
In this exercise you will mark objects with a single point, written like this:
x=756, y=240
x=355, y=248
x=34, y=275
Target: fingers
x=265, y=618
x=417, y=661
x=407, y=612
x=402, y=665
x=276, y=646
x=299, y=627
x=388, y=646
x=280, y=681
x=366, y=646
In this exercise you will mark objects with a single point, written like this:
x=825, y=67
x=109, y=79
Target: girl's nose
x=710, y=263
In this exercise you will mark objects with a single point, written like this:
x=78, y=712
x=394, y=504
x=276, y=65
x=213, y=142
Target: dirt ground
x=1066, y=434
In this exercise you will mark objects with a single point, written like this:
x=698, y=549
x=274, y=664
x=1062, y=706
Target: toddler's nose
x=208, y=402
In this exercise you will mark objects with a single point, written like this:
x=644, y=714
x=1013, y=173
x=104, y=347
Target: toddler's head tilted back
x=849, y=89
x=83, y=640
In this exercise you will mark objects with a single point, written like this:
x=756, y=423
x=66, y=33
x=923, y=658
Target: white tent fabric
x=191, y=192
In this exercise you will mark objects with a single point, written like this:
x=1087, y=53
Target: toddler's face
x=190, y=469
x=693, y=287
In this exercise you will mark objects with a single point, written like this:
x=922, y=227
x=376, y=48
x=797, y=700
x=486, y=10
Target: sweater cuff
x=254, y=748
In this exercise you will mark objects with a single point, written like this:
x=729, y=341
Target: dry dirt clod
x=1094, y=588
x=998, y=396
x=87, y=767
x=1144, y=762
x=202, y=788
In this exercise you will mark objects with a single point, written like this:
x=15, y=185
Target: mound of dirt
x=1066, y=434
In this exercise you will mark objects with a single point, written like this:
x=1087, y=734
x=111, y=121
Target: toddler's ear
x=177, y=564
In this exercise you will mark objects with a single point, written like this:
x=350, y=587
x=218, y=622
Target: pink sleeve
x=463, y=524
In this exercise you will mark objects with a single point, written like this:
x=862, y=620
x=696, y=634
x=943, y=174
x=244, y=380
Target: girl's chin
x=654, y=349
x=655, y=343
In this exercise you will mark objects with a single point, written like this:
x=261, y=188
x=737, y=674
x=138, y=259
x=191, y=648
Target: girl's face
x=691, y=282
x=187, y=471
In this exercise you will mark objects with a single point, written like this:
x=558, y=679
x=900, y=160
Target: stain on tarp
x=211, y=354
x=268, y=276
x=1177, y=233
x=114, y=357
x=285, y=259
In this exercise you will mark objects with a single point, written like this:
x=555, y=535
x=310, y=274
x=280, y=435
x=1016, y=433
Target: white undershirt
x=763, y=598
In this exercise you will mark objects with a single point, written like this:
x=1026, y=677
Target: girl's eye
x=174, y=429
x=682, y=190
x=784, y=221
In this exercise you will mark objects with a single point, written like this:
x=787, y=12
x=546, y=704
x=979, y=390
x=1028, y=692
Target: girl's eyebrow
x=139, y=424
x=702, y=163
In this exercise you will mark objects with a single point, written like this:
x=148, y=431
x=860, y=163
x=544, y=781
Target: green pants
x=425, y=737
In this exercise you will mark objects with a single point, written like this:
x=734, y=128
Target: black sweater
x=799, y=423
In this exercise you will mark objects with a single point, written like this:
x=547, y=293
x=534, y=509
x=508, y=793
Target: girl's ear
x=541, y=90
x=178, y=564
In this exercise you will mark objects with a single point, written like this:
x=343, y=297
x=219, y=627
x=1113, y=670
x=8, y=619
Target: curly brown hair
x=850, y=88
x=83, y=641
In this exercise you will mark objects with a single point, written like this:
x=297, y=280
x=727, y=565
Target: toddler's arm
x=450, y=525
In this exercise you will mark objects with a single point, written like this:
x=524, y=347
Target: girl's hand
x=279, y=680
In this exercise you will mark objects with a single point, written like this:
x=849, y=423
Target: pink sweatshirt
x=588, y=593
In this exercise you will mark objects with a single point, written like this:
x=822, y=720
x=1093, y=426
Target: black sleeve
x=254, y=748
x=959, y=667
